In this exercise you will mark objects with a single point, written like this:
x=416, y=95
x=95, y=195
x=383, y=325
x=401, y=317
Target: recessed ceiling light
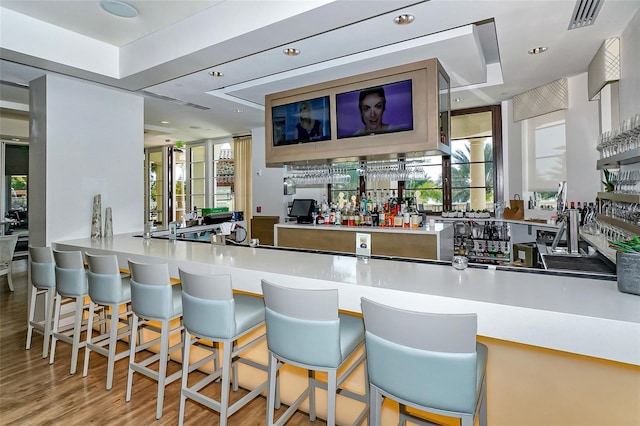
x=16, y=139
x=238, y=110
x=537, y=50
x=404, y=19
x=215, y=74
x=164, y=122
x=290, y=51
x=119, y=8
x=458, y=100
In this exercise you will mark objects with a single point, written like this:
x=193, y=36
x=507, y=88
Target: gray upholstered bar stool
x=108, y=288
x=305, y=329
x=71, y=286
x=42, y=273
x=430, y=362
x=154, y=299
x=213, y=313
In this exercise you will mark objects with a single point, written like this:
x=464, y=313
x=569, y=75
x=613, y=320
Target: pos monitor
x=302, y=210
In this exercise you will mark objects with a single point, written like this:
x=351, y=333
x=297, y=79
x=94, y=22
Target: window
x=425, y=184
x=155, y=186
x=472, y=176
x=224, y=170
x=197, y=177
x=544, y=157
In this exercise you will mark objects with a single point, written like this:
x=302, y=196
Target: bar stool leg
x=50, y=299
x=56, y=320
x=332, y=384
x=375, y=406
x=77, y=329
x=311, y=378
x=271, y=395
x=185, y=375
x=226, y=381
x=132, y=356
x=32, y=313
x=113, y=341
x=162, y=373
x=87, y=351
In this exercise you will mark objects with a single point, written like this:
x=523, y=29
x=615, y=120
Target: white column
x=85, y=140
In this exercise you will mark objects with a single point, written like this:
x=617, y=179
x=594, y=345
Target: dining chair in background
x=7, y=248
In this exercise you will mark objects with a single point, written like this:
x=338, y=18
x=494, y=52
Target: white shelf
x=622, y=198
x=628, y=157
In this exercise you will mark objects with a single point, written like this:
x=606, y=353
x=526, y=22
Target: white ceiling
x=166, y=52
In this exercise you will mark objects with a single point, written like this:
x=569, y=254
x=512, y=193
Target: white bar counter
x=577, y=315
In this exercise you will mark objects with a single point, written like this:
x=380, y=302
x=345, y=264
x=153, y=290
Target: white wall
x=582, y=128
x=267, y=182
x=268, y=190
x=85, y=140
x=630, y=69
x=512, y=152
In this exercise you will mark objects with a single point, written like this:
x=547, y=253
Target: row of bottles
x=379, y=209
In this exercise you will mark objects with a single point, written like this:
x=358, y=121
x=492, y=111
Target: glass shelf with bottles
x=371, y=209
x=488, y=242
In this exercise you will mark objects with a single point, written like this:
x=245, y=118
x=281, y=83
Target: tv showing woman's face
x=371, y=110
x=378, y=109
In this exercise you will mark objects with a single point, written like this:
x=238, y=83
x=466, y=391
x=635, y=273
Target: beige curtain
x=243, y=181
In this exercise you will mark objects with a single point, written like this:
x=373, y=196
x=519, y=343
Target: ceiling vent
x=585, y=13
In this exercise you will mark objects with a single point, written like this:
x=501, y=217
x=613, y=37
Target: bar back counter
x=562, y=349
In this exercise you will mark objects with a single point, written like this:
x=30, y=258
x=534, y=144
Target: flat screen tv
x=302, y=209
x=379, y=109
x=300, y=122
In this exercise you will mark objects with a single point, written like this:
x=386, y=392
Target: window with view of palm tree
x=472, y=173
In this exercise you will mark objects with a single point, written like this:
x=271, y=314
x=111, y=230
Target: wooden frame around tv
x=424, y=139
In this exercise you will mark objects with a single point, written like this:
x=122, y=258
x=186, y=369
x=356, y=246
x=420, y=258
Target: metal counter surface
x=578, y=315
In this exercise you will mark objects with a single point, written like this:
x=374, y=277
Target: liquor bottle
x=345, y=215
x=324, y=208
x=338, y=217
x=320, y=219
x=332, y=216
x=369, y=203
x=356, y=215
x=363, y=204
x=375, y=216
x=398, y=218
x=393, y=202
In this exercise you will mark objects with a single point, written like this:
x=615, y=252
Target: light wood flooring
x=32, y=392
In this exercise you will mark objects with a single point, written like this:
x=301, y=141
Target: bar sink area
x=591, y=264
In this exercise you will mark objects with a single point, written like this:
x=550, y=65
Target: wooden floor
x=32, y=392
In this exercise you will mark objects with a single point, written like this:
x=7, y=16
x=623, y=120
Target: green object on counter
x=207, y=211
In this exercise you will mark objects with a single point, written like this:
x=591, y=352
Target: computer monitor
x=302, y=209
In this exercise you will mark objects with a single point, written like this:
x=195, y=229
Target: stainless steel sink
x=593, y=264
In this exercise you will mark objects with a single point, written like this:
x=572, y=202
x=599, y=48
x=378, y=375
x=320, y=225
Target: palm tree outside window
x=471, y=178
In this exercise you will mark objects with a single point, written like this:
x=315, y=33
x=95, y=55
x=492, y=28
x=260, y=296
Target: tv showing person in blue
x=308, y=127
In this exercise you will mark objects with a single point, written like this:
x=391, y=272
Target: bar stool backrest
x=43, y=273
x=71, y=277
x=151, y=293
x=424, y=358
x=208, y=305
x=303, y=325
x=105, y=281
